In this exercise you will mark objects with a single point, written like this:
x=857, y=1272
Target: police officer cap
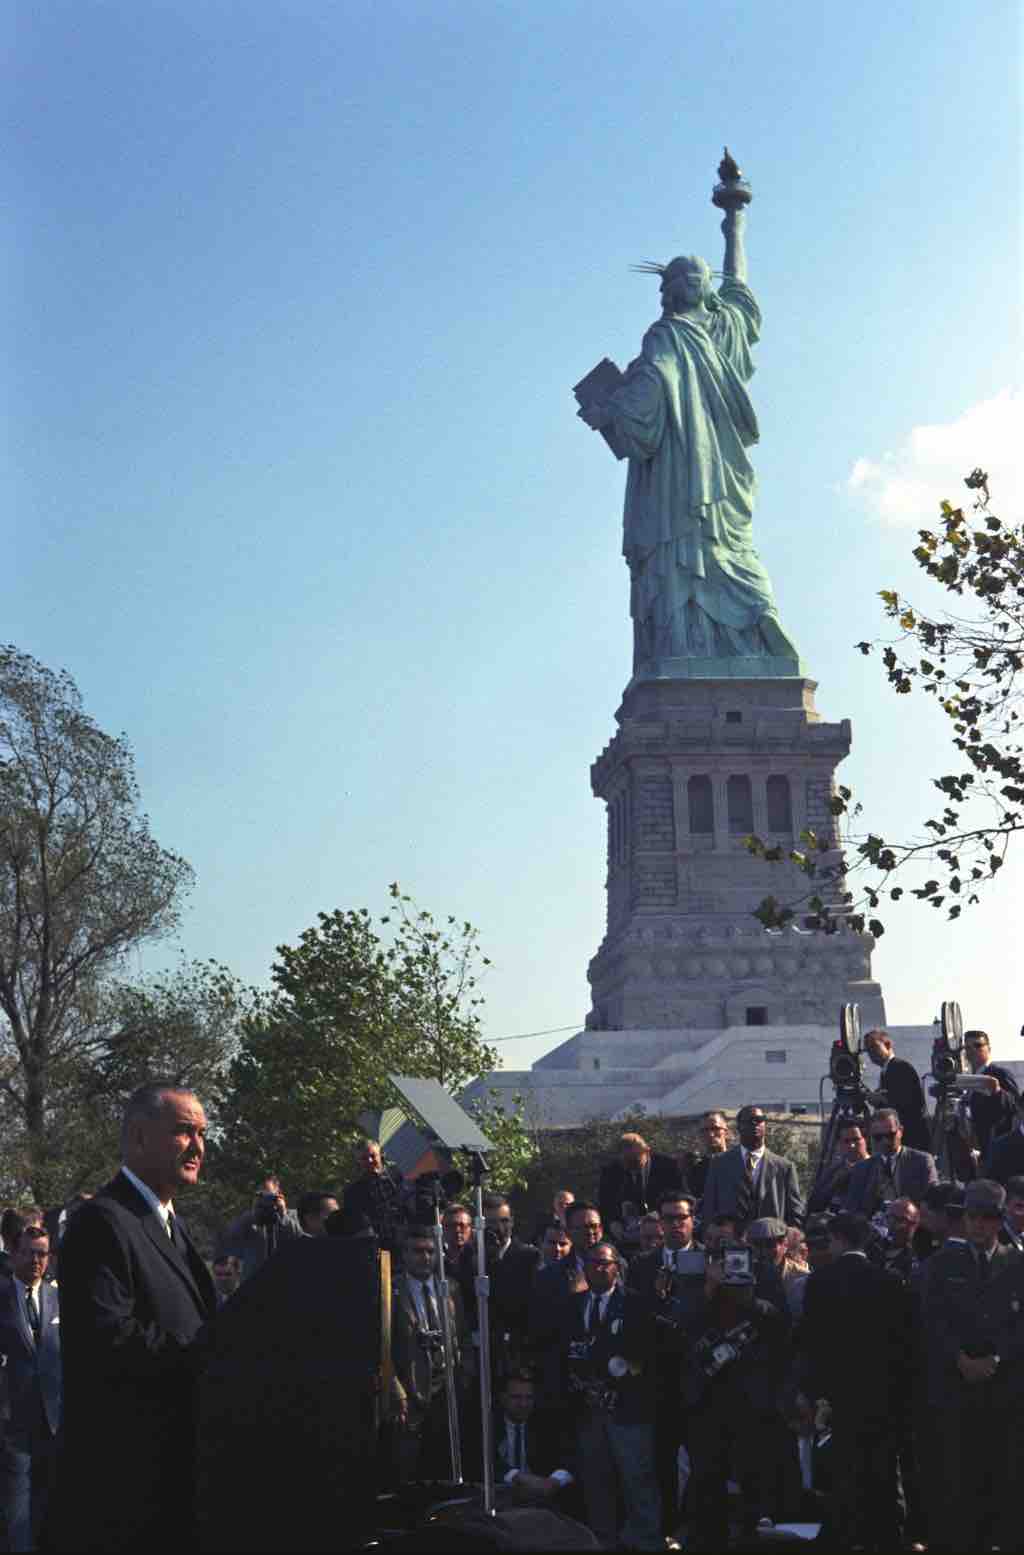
x=984, y=1197
x=768, y=1229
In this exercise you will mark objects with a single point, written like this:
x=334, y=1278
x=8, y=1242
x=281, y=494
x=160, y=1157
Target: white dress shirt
x=164, y=1211
x=597, y=1306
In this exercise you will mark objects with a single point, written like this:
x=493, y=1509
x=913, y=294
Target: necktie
x=174, y=1232
x=520, y=1462
x=745, y=1188
x=984, y=1269
x=430, y=1306
x=33, y=1312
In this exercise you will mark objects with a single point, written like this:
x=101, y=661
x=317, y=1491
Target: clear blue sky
x=295, y=488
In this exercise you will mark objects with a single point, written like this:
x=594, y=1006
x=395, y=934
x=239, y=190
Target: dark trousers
x=27, y=1471
x=970, y=1486
x=669, y=1435
x=423, y=1450
x=866, y=1507
x=727, y=1437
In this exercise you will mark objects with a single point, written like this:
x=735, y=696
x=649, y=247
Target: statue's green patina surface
x=701, y=600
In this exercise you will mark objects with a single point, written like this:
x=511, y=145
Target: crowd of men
x=694, y=1355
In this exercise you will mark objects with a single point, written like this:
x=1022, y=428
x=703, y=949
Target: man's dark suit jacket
x=1006, y=1157
x=512, y=1278
x=132, y=1303
x=628, y=1331
x=992, y=1116
x=618, y=1186
x=915, y=1172
x=903, y=1088
x=776, y=1192
x=856, y=1335
x=33, y=1371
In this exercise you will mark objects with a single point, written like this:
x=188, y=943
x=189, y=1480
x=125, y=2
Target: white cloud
x=907, y=486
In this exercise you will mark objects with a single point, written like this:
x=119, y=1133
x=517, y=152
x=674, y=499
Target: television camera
x=851, y=1098
x=952, y=1133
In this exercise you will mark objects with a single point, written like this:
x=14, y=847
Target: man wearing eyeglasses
x=992, y=1110
x=609, y=1355
x=751, y=1181
x=670, y=1277
x=892, y=1171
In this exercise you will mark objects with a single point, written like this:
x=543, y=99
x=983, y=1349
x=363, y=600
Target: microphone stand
x=482, y=1285
x=451, y=1397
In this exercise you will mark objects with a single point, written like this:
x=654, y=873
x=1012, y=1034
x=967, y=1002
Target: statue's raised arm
x=732, y=194
x=682, y=416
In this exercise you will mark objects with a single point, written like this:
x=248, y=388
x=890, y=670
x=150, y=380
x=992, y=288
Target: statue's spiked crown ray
x=652, y=267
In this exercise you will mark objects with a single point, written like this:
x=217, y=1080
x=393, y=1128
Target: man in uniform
x=967, y=1297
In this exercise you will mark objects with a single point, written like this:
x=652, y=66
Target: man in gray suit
x=892, y=1171
x=30, y=1343
x=749, y=1181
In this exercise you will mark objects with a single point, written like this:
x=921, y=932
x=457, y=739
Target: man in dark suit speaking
x=135, y=1294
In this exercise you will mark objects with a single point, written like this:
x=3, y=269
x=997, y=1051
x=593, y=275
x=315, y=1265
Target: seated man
x=633, y=1185
x=532, y=1450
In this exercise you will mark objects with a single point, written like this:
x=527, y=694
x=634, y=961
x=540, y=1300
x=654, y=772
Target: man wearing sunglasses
x=892, y=1171
x=750, y=1181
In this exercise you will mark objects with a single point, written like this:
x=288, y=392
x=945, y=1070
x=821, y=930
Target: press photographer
x=255, y=1236
x=735, y=1350
x=608, y=1349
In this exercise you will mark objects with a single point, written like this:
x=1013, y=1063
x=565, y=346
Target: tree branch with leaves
x=970, y=662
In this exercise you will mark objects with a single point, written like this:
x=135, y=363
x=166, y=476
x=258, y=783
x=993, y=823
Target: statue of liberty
x=700, y=598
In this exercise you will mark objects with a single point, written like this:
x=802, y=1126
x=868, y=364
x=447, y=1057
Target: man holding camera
x=734, y=1349
x=608, y=1351
x=255, y=1236
x=423, y=1448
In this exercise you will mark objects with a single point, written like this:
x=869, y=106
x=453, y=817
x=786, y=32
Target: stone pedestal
x=698, y=765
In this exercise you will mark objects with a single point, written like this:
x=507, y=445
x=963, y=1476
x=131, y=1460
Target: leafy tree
x=970, y=661
x=178, y=1024
x=349, y=1006
x=82, y=882
x=515, y=1144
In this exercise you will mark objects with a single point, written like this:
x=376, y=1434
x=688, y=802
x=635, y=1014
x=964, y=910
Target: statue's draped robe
x=683, y=418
